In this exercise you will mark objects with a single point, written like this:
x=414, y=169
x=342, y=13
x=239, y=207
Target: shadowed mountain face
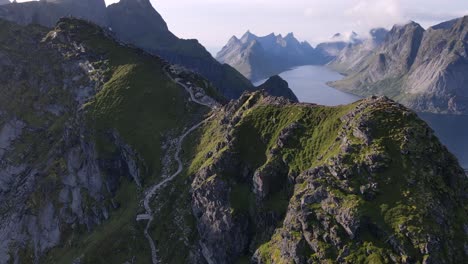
x=47, y=13
x=423, y=69
x=260, y=57
x=135, y=22
x=276, y=86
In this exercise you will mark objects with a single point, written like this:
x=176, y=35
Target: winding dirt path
x=152, y=191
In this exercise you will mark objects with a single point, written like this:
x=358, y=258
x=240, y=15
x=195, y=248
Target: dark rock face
x=423, y=69
x=47, y=13
x=135, y=22
x=50, y=172
x=258, y=58
x=276, y=86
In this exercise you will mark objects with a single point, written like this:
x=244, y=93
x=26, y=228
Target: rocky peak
x=403, y=42
x=247, y=37
x=400, y=31
x=276, y=86
x=136, y=15
x=291, y=40
x=461, y=27
x=290, y=36
x=233, y=40
x=378, y=35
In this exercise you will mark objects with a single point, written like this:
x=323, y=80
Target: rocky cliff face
x=294, y=183
x=258, y=58
x=135, y=22
x=420, y=68
x=73, y=157
x=50, y=173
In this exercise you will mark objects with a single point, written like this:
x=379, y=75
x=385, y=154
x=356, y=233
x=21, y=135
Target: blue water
x=453, y=132
x=309, y=85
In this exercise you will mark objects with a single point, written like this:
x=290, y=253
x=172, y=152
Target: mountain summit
x=260, y=57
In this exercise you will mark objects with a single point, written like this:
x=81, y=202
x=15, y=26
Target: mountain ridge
x=258, y=58
x=137, y=23
x=428, y=79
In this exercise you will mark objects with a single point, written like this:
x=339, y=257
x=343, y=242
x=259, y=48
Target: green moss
x=315, y=136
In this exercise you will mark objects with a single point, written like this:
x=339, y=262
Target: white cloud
x=368, y=14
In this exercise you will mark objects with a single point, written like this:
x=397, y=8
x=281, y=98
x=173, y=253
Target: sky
x=213, y=22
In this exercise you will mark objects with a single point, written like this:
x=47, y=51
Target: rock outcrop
x=276, y=86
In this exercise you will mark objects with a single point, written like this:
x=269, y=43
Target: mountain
x=330, y=49
x=48, y=12
x=4, y=2
x=138, y=23
x=276, y=86
x=354, y=54
x=423, y=69
x=258, y=58
x=112, y=155
x=134, y=22
x=83, y=124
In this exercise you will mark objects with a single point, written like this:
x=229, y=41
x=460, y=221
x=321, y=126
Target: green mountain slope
x=84, y=121
x=296, y=183
x=90, y=127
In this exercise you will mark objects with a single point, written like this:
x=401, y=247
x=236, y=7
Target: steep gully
x=152, y=191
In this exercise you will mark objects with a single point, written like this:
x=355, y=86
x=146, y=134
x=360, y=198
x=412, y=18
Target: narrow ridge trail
x=152, y=191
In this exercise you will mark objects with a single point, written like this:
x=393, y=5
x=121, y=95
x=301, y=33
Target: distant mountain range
x=260, y=57
x=135, y=22
x=426, y=70
x=257, y=58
